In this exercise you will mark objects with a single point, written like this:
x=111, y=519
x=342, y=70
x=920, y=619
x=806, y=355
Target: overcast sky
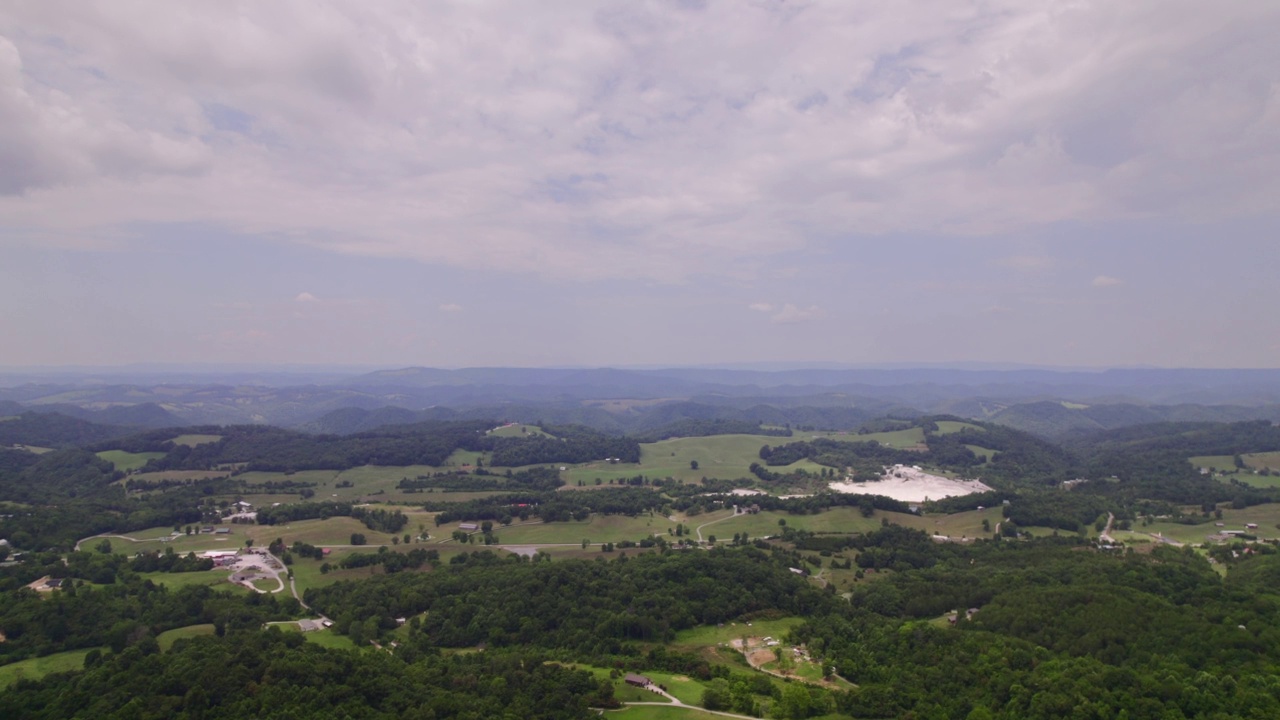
x=595, y=183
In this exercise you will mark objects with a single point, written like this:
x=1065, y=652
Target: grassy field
x=839, y=519
x=333, y=531
x=718, y=456
x=216, y=578
x=963, y=524
x=126, y=461
x=1265, y=516
x=193, y=440
x=946, y=427
x=910, y=438
x=519, y=430
x=708, y=635
x=1217, y=463
x=1259, y=461
x=36, y=668
x=597, y=529
x=169, y=637
x=330, y=639
x=980, y=451
x=658, y=712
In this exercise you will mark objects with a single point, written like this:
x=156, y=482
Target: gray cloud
x=636, y=140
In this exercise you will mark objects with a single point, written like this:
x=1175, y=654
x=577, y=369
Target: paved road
x=677, y=703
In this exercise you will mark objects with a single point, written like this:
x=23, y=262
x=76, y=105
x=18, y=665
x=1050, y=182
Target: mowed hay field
x=718, y=456
x=126, y=461
x=36, y=668
x=597, y=529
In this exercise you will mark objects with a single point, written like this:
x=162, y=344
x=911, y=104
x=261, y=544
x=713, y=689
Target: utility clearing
x=909, y=483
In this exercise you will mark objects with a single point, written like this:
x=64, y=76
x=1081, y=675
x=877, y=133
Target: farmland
x=126, y=461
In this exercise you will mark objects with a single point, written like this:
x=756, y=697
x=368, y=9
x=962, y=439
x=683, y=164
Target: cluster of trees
x=706, y=427
x=550, y=506
x=124, y=613
x=589, y=607
x=273, y=674
x=571, y=444
x=391, y=562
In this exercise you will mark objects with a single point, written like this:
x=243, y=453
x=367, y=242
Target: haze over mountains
x=1046, y=402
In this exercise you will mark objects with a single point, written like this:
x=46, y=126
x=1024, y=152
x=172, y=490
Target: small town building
x=637, y=680
x=468, y=526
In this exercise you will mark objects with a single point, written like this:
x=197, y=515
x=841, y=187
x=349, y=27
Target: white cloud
x=1106, y=281
x=634, y=140
x=761, y=307
x=451, y=307
x=306, y=297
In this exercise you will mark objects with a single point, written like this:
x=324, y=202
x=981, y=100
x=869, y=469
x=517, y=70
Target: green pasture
x=1216, y=463
x=1265, y=516
x=1260, y=461
x=329, y=639
x=946, y=427
x=832, y=520
x=597, y=529
x=216, y=578
x=658, y=712
x=519, y=430
x=684, y=688
x=718, y=456
x=711, y=635
x=1258, y=481
x=307, y=575
x=169, y=637
x=36, y=449
x=194, y=439
x=36, y=668
x=980, y=451
x=962, y=524
x=126, y=461
x=908, y=439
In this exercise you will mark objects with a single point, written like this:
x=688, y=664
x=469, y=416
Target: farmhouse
x=1251, y=526
x=468, y=526
x=223, y=531
x=638, y=680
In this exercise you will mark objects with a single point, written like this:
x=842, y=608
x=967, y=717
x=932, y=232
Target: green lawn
x=126, y=461
x=169, y=637
x=329, y=639
x=216, y=578
x=36, y=668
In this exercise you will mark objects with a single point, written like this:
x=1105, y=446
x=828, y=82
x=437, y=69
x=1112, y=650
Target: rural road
x=1105, y=535
x=698, y=529
x=677, y=703
x=122, y=537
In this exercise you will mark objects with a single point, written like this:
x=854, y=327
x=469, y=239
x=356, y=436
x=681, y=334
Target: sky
x=640, y=183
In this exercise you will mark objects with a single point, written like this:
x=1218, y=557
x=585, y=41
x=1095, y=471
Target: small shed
x=637, y=680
